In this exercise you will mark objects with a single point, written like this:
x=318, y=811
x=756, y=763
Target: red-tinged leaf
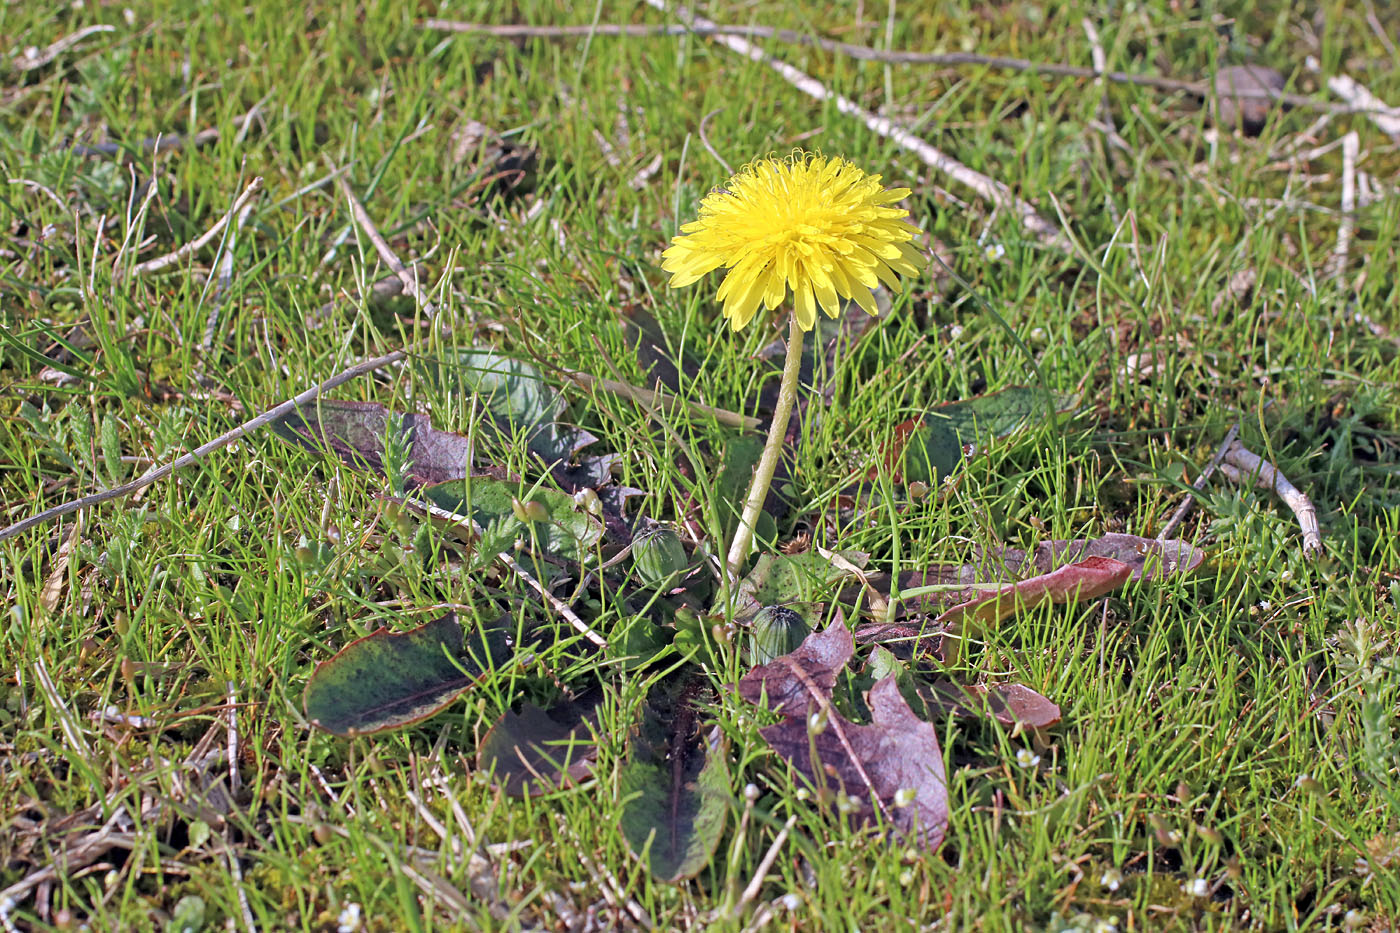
x=536, y=751
x=942, y=586
x=891, y=769
x=675, y=784
x=391, y=679
x=1085, y=579
x=1008, y=704
x=795, y=682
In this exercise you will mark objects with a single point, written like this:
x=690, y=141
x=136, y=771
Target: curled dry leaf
x=1085, y=579
x=1008, y=704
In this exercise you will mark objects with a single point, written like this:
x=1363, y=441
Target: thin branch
x=1346, y=224
x=989, y=188
x=223, y=440
x=357, y=210
x=1189, y=503
x=160, y=262
x=756, y=883
x=38, y=58
x=1242, y=466
x=1198, y=89
x=273, y=414
x=1360, y=100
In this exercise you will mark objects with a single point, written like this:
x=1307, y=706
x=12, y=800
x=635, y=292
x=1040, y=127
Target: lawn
x=1125, y=288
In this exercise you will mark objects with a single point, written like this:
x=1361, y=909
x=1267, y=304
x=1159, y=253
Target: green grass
x=1191, y=707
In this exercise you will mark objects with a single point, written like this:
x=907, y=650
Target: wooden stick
x=1243, y=466
x=169, y=259
x=1198, y=89
x=357, y=210
x=223, y=440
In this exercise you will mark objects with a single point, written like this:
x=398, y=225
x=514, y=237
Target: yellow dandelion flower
x=818, y=227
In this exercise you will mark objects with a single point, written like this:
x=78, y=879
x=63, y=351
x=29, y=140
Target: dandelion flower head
x=818, y=227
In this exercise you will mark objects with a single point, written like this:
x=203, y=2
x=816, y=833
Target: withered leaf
x=890, y=769
x=789, y=681
x=1008, y=704
x=1085, y=579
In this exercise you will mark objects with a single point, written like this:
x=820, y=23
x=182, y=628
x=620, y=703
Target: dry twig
x=223, y=440
x=32, y=58
x=160, y=262
x=1200, y=89
x=1242, y=466
x=362, y=218
x=559, y=606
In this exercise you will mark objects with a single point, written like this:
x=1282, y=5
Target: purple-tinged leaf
x=794, y=683
x=1009, y=704
x=891, y=769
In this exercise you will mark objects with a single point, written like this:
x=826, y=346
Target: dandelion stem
x=772, y=449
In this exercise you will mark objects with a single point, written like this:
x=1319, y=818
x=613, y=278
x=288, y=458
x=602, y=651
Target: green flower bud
x=527, y=512
x=776, y=631
x=658, y=556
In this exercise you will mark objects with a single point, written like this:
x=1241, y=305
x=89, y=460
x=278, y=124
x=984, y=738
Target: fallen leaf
x=1235, y=107
x=356, y=433
x=796, y=683
x=1085, y=579
x=891, y=769
x=675, y=785
x=391, y=679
